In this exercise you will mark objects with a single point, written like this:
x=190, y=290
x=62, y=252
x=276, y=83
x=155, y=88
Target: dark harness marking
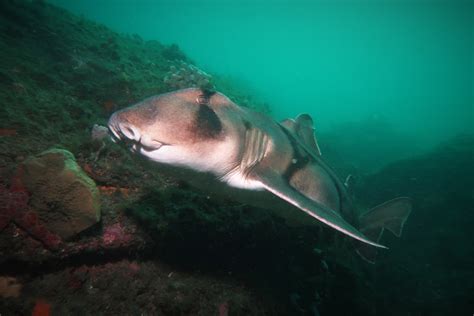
x=300, y=159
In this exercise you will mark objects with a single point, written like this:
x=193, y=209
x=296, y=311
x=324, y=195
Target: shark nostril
x=129, y=132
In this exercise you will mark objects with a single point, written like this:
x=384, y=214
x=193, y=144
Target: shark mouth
x=128, y=137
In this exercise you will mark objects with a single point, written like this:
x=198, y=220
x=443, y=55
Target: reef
x=430, y=268
x=187, y=76
x=128, y=240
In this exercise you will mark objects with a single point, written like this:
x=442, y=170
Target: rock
x=99, y=133
x=64, y=197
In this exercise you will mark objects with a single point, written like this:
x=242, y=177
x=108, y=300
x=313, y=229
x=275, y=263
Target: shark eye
x=128, y=132
x=205, y=96
x=202, y=100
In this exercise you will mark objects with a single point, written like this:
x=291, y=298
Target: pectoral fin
x=274, y=183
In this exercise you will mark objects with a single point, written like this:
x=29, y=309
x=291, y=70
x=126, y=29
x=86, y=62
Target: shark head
x=186, y=128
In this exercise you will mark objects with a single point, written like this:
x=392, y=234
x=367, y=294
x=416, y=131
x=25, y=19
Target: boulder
x=66, y=200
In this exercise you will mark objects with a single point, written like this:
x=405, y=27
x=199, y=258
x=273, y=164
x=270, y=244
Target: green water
x=410, y=62
x=383, y=80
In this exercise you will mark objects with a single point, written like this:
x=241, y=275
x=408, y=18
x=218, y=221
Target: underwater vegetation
x=125, y=239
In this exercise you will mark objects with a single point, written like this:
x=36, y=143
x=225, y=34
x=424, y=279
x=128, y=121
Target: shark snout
x=129, y=131
x=129, y=134
x=122, y=129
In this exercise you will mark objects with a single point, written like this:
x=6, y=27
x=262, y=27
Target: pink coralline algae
x=14, y=208
x=224, y=309
x=10, y=202
x=115, y=235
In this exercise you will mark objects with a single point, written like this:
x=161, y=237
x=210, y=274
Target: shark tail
x=390, y=215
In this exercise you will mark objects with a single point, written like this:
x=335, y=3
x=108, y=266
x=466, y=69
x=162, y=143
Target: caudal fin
x=390, y=215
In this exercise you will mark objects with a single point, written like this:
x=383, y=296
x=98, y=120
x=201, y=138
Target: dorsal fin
x=305, y=130
x=349, y=184
x=290, y=125
x=349, y=181
x=305, y=120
